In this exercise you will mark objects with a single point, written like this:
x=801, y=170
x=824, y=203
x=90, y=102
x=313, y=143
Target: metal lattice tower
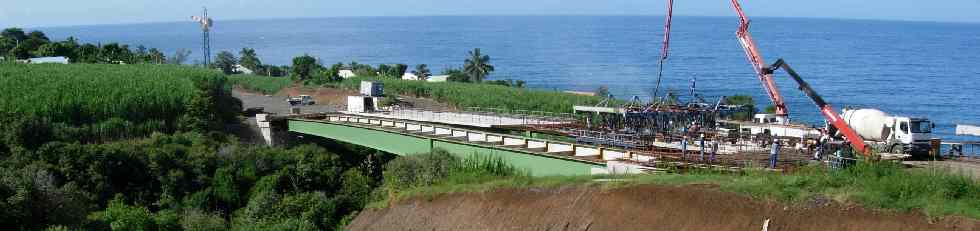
x=206, y=24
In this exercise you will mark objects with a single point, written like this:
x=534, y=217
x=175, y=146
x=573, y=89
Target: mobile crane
x=758, y=64
x=887, y=133
x=894, y=134
x=825, y=109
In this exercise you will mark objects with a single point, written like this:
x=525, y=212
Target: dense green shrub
x=419, y=170
x=440, y=166
x=120, y=216
x=183, y=180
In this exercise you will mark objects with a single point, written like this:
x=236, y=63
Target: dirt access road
x=326, y=101
x=647, y=207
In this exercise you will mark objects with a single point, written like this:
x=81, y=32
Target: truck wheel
x=896, y=149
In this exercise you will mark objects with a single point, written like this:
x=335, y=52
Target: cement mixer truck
x=867, y=129
x=888, y=133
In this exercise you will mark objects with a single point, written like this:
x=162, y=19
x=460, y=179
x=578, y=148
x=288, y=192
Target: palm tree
x=422, y=71
x=249, y=59
x=477, y=66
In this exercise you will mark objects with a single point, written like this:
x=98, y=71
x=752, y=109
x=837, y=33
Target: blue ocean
x=923, y=69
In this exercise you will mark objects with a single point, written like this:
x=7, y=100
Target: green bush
x=182, y=180
x=120, y=216
x=419, y=170
x=440, y=166
x=201, y=221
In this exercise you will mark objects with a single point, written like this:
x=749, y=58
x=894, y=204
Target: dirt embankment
x=647, y=207
x=326, y=96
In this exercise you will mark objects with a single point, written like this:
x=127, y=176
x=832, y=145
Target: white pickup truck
x=301, y=100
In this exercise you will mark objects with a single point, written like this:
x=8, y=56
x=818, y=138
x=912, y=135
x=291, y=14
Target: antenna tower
x=206, y=24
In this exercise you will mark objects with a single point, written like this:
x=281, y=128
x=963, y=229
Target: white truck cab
x=913, y=132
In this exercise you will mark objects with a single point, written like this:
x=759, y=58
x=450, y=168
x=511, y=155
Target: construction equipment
x=892, y=134
x=666, y=46
x=758, y=65
x=825, y=109
x=868, y=127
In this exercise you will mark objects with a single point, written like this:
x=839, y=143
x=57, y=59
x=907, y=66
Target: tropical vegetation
x=477, y=66
x=92, y=103
x=225, y=61
x=422, y=72
x=263, y=84
x=17, y=44
x=146, y=147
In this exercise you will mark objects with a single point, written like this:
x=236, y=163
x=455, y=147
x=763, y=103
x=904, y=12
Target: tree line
x=308, y=69
x=17, y=44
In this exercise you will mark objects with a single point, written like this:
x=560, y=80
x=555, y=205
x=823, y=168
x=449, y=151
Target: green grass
x=95, y=102
x=83, y=93
x=264, y=84
x=481, y=95
x=937, y=192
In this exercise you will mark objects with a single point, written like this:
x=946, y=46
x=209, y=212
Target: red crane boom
x=828, y=111
x=758, y=64
x=666, y=46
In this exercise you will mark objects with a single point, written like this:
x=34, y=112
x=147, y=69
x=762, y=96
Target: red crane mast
x=758, y=64
x=666, y=45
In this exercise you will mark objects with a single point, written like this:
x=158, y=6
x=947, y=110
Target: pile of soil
x=646, y=207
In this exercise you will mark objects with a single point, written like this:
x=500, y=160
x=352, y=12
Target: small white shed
x=371, y=88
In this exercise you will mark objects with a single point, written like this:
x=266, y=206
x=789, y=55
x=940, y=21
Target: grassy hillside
x=264, y=84
x=937, y=192
x=91, y=102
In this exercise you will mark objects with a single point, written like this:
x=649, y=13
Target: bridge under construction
x=535, y=144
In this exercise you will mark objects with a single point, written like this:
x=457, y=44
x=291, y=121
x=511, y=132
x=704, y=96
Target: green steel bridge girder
x=408, y=144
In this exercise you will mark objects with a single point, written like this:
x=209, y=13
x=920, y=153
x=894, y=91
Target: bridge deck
x=405, y=137
x=428, y=131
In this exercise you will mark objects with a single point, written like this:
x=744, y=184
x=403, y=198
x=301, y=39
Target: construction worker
x=821, y=145
x=701, y=145
x=714, y=150
x=684, y=148
x=774, y=154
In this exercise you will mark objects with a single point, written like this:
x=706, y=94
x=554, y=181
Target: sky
x=47, y=13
